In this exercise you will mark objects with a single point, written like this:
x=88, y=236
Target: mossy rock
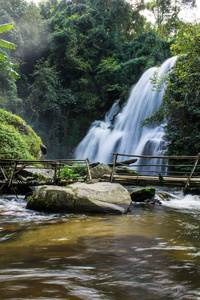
x=125, y=170
x=16, y=136
x=143, y=194
x=51, y=199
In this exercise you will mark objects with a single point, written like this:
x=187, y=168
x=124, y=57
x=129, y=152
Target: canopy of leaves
x=76, y=59
x=94, y=57
x=166, y=14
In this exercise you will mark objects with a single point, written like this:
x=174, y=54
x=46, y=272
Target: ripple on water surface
x=150, y=253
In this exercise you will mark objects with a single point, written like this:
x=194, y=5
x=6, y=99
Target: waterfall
x=126, y=134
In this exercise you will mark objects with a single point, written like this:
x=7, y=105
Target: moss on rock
x=125, y=170
x=104, y=197
x=17, y=136
x=143, y=194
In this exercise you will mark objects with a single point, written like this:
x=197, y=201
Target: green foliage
x=166, y=14
x=182, y=98
x=76, y=63
x=8, y=93
x=4, y=62
x=6, y=44
x=17, y=136
x=75, y=171
x=12, y=141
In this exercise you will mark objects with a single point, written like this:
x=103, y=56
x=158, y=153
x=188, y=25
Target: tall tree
x=166, y=14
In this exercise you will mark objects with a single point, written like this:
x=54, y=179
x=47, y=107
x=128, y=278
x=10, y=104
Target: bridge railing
x=11, y=170
x=182, y=169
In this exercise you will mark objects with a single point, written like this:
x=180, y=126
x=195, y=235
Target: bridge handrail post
x=113, y=169
x=88, y=170
x=194, y=167
x=55, y=174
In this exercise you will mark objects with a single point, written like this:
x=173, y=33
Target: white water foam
x=188, y=202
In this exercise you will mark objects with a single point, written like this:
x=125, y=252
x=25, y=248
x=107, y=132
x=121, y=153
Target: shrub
x=74, y=171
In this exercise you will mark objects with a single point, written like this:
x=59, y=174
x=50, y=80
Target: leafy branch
x=4, y=63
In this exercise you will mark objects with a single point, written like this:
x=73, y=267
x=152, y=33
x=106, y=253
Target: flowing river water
x=152, y=252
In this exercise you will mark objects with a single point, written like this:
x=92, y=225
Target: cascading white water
x=126, y=135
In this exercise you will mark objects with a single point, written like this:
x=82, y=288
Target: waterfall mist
x=126, y=134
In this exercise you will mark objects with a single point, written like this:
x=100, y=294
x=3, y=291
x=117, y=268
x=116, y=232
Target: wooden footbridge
x=19, y=174
x=182, y=171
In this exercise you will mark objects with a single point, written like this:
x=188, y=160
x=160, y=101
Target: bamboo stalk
x=55, y=175
x=162, y=157
x=40, y=161
x=113, y=169
x=2, y=171
x=88, y=170
x=11, y=177
x=153, y=178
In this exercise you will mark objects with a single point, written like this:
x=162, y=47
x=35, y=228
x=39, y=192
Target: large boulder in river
x=101, y=197
x=143, y=194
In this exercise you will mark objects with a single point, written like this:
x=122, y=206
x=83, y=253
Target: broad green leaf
x=6, y=27
x=14, y=74
x=2, y=57
x=7, y=44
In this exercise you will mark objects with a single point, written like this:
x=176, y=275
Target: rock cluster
x=91, y=197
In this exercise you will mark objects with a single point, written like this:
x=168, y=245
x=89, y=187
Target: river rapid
x=153, y=252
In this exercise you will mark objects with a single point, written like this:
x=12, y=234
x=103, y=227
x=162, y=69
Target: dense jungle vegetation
x=76, y=58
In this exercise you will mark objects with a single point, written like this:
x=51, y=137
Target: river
x=153, y=252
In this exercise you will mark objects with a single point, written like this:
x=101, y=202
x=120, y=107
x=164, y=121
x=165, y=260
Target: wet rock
x=143, y=194
x=100, y=170
x=153, y=201
x=31, y=173
x=104, y=197
x=164, y=196
x=192, y=191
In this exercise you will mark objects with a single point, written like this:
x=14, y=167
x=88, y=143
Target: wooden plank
x=162, y=165
x=53, y=161
x=124, y=162
x=153, y=178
